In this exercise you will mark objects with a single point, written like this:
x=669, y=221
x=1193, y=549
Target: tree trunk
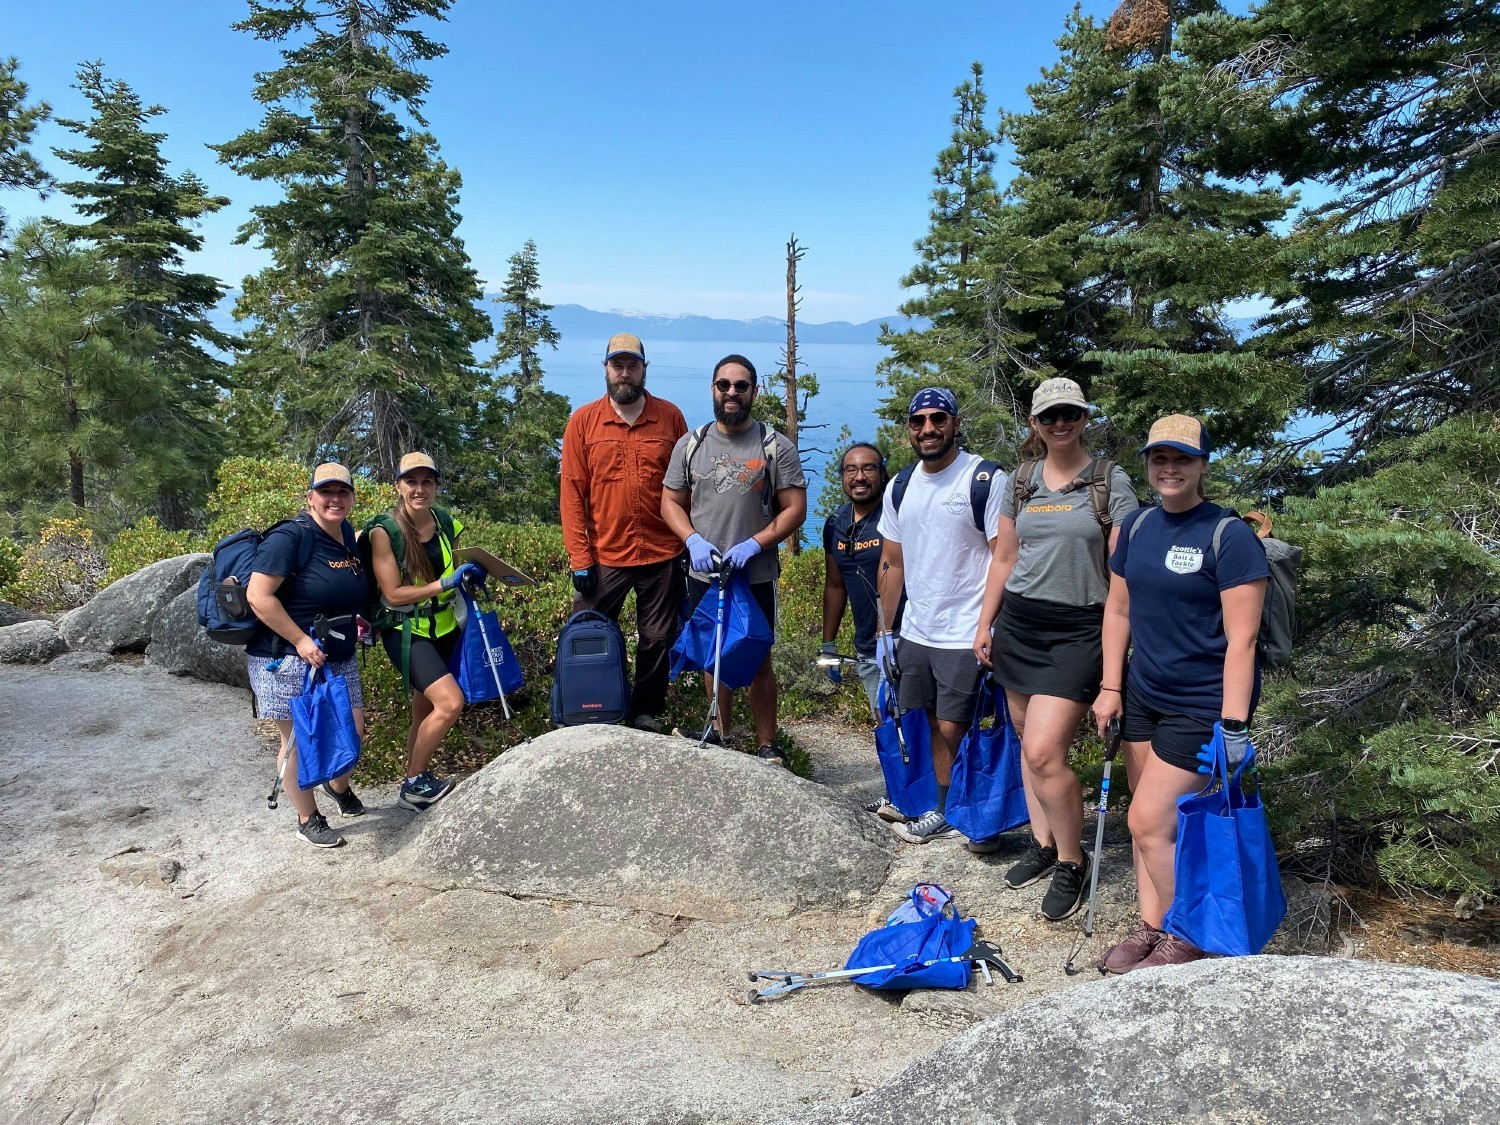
x=793, y=256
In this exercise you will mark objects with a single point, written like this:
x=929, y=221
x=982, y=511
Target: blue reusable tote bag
x=910, y=784
x=747, y=635
x=323, y=726
x=987, y=796
x=483, y=663
x=1228, y=897
x=907, y=944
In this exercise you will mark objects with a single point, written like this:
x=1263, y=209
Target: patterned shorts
x=274, y=691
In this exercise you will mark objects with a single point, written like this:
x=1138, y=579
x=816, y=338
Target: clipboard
x=493, y=565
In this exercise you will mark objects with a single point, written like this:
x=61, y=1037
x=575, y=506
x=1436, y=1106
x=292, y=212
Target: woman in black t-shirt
x=305, y=569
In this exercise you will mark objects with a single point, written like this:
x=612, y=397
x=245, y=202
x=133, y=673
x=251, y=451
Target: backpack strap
x=1140, y=519
x=1101, y=471
x=898, y=486
x=695, y=439
x=1025, y=483
x=979, y=492
x=1219, y=530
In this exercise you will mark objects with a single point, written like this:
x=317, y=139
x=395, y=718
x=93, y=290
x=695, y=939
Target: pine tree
x=142, y=220
x=19, y=168
x=76, y=378
x=511, y=458
x=364, y=322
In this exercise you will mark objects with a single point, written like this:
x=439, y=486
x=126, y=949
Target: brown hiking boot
x=1128, y=954
x=1170, y=950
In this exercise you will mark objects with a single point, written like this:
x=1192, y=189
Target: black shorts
x=428, y=662
x=1175, y=738
x=943, y=680
x=764, y=594
x=1043, y=648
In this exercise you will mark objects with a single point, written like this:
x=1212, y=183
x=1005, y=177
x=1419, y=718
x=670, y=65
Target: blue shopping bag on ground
x=483, y=663
x=1228, y=896
x=987, y=795
x=323, y=726
x=937, y=932
x=911, y=784
x=747, y=635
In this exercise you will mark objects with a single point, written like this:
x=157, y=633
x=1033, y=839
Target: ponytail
x=416, y=565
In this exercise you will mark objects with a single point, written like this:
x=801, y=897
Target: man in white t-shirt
x=935, y=548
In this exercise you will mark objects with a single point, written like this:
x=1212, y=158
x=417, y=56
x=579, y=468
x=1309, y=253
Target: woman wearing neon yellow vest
x=412, y=550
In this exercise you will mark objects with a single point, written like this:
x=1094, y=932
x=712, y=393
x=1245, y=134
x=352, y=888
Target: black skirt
x=1043, y=648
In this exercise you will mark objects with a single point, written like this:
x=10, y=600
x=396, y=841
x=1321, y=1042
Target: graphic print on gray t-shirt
x=729, y=474
x=1062, y=545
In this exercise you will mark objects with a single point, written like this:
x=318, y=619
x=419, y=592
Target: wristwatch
x=1233, y=726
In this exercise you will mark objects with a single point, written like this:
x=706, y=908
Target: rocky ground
x=173, y=952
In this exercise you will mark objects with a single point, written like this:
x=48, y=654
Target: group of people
x=953, y=571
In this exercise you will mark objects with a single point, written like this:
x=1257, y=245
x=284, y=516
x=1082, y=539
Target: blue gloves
x=885, y=655
x=1236, y=749
x=702, y=553
x=835, y=671
x=470, y=574
x=741, y=553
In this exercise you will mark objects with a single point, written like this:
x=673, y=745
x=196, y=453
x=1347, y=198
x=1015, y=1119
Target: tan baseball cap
x=1057, y=392
x=624, y=343
x=414, y=461
x=330, y=472
x=1179, y=431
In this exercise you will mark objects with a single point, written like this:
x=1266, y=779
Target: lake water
x=849, y=390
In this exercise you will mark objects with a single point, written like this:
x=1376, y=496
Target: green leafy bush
x=60, y=571
x=10, y=562
x=145, y=543
x=256, y=493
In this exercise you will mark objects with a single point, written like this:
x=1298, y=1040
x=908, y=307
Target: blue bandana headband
x=933, y=398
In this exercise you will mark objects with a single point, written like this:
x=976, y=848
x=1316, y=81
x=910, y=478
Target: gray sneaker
x=316, y=832
x=929, y=826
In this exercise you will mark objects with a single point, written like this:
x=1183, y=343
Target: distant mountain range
x=575, y=320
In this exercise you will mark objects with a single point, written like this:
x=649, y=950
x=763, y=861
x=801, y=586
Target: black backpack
x=223, y=609
x=979, y=490
x=589, y=684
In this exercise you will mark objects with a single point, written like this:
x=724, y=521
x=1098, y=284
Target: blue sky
x=659, y=154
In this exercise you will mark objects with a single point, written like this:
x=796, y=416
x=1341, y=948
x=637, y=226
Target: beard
x=625, y=393
x=731, y=415
x=941, y=452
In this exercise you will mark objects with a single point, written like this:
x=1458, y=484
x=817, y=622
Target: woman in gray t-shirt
x=1044, y=597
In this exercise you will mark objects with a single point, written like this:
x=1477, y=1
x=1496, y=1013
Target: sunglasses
x=739, y=386
x=938, y=418
x=1066, y=413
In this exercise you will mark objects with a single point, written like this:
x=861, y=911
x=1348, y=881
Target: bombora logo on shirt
x=343, y=564
x=1184, y=560
x=1033, y=508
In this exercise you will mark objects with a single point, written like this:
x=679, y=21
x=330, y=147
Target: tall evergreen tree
x=142, y=221
x=511, y=456
x=363, y=324
x=76, y=377
x=18, y=121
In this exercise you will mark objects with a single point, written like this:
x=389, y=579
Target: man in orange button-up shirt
x=614, y=456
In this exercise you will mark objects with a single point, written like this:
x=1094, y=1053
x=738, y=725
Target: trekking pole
x=1111, y=748
x=489, y=653
x=984, y=952
x=713, y=700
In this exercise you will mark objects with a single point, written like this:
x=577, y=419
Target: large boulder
x=119, y=617
x=13, y=615
x=1283, y=1039
x=609, y=815
x=30, y=642
x=179, y=644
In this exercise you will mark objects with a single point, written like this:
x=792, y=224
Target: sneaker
x=887, y=811
x=987, y=846
x=419, y=792
x=316, y=832
x=1170, y=950
x=1128, y=954
x=647, y=722
x=1065, y=895
x=773, y=754
x=1037, y=862
x=713, y=738
x=349, y=804
x=929, y=826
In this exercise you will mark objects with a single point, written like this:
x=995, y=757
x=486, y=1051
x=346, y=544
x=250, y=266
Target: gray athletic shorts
x=274, y=691
x=944, y=679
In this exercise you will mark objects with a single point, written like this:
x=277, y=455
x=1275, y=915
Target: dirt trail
x=172, y=952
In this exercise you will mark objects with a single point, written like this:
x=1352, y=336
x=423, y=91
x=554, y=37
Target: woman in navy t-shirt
x=305, y=569
x=1191, y=615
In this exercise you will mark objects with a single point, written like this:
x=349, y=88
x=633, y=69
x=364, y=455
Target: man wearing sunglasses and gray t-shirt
x=721, y=497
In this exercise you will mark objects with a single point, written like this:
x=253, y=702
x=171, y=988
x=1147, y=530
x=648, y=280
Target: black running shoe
x=316, y=832
x=774, y=754
x=349, y=804
x=1069, y=887
x=1037, y=862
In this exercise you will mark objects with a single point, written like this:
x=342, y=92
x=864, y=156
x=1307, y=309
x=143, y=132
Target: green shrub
x=60, y=571
x=10, y=562
x=145, y=543
x=256, y=493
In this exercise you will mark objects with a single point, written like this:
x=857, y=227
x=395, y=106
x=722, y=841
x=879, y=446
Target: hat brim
x=420, y=469
x=317, y=484
x=625, y=351
x=1180, y=446
x=1078, y=402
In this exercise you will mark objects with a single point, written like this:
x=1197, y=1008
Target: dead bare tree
x=794, y=253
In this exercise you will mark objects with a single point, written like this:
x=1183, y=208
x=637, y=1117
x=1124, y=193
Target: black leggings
x=428, y=662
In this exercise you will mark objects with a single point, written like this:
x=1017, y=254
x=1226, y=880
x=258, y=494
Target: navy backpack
x=590, y=684
x=223, y=609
